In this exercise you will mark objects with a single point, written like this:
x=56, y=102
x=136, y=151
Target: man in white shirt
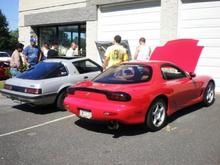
x=142, y=51
x=73, y=50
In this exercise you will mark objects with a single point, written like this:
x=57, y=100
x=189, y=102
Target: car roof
x=150, y=62
x=65, y=59
x=4, y=52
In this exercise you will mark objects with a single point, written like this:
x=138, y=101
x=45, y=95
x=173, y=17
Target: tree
x=4, y=32
x=13, y=39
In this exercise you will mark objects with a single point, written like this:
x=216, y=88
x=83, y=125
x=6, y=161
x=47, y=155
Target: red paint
x=179, y=93
x=4, y=70
x=182, y=52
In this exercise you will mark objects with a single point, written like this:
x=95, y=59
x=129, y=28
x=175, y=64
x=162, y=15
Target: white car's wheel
x=60, y=99
x=156, y=116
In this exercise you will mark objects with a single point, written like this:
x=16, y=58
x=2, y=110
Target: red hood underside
x=183, y=52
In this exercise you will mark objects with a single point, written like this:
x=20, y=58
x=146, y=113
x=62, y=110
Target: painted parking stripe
x=36, y=126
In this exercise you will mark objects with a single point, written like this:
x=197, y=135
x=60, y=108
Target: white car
x=4, y=56
x=46, y=82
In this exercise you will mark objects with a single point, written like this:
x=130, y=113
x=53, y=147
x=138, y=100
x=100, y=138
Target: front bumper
x=29, y=98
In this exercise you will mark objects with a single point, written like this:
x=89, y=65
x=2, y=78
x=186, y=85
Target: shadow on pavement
x=131, y=130
x=37, y=109
x=101, y=127
x=185, y=111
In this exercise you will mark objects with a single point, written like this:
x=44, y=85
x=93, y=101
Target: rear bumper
x=29, y=98
x=106, y=111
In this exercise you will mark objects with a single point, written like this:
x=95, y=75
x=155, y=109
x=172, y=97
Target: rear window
x=4, y=55
x=125, y=74
x=44, y=70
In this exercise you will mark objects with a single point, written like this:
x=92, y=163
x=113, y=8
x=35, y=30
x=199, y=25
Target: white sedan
x=46, y=82
x=4, y=56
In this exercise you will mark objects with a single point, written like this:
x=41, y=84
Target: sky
x=10, y=10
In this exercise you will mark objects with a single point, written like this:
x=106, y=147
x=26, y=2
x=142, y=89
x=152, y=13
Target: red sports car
x=139, y=92
x=4, y=70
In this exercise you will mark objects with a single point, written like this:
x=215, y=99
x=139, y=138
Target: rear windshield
x=44, y=70
x=125, y=74
x=4, y=55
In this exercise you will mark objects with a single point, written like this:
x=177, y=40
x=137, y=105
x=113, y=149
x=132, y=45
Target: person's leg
x=13, y=72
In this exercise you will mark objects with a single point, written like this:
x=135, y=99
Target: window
x=170, y=72
x=47, y=34
x=65, y=35
x=45, y=70
x=86, y=66
x=2, y=54
x=125, y=74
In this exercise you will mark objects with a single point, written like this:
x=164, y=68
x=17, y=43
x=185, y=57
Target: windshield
x=125, y=74
x=44, y=70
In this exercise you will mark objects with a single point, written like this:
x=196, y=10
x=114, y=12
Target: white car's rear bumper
x=29, y=98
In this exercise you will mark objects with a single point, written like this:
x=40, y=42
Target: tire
x=156, y=117
x=60, y=99
x=209, y=94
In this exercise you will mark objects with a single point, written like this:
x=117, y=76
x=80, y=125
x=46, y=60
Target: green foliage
x=13, y=39
x=1, y=84
x=8, y=39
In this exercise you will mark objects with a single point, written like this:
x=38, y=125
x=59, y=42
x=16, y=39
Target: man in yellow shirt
x=115, y=54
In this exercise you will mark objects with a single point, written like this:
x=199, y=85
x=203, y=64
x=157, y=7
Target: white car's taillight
x=32, y=90
x=9, y=87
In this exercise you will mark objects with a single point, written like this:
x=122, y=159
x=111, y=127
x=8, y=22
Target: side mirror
x=191, y=74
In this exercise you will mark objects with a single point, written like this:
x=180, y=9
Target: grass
x=1, y=84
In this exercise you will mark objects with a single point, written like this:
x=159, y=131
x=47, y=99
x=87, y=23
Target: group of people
x=23, y=58
x=117, y=54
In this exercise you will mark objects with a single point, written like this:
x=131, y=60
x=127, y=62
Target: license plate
x=85, y=114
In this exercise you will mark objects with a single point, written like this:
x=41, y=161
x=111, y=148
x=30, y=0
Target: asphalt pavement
x=47, y=136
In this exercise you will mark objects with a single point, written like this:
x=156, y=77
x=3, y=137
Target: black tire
x=209, y=94
x=60, y=99
x=156, y=117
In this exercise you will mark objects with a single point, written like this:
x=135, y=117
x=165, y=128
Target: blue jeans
x=14, y=72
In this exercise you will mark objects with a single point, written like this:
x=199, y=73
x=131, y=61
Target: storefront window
x=47, y=34
x=82, y=39
x=65, y=35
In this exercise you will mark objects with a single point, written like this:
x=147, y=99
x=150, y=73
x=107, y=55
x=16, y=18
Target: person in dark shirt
x=53, y=52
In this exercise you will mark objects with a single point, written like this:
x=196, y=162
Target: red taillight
x=9, y=87
x=32, y=90
x=118, y=96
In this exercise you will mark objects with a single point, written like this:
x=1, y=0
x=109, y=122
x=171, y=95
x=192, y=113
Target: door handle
x=85, y=77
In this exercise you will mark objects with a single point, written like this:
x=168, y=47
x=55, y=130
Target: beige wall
x=38, y=4
x=169, y=20
x=91, y=37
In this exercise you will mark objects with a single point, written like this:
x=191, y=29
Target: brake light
x=32, y=90
x=9, y=87
x=118, y=96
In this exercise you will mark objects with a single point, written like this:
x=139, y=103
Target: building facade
x=87, y=21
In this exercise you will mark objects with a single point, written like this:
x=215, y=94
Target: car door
x=184, y=88
x=87, y=69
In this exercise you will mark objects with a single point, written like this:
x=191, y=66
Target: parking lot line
x=36, y=126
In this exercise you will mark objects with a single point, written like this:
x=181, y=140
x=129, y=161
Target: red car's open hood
x=183, y=52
